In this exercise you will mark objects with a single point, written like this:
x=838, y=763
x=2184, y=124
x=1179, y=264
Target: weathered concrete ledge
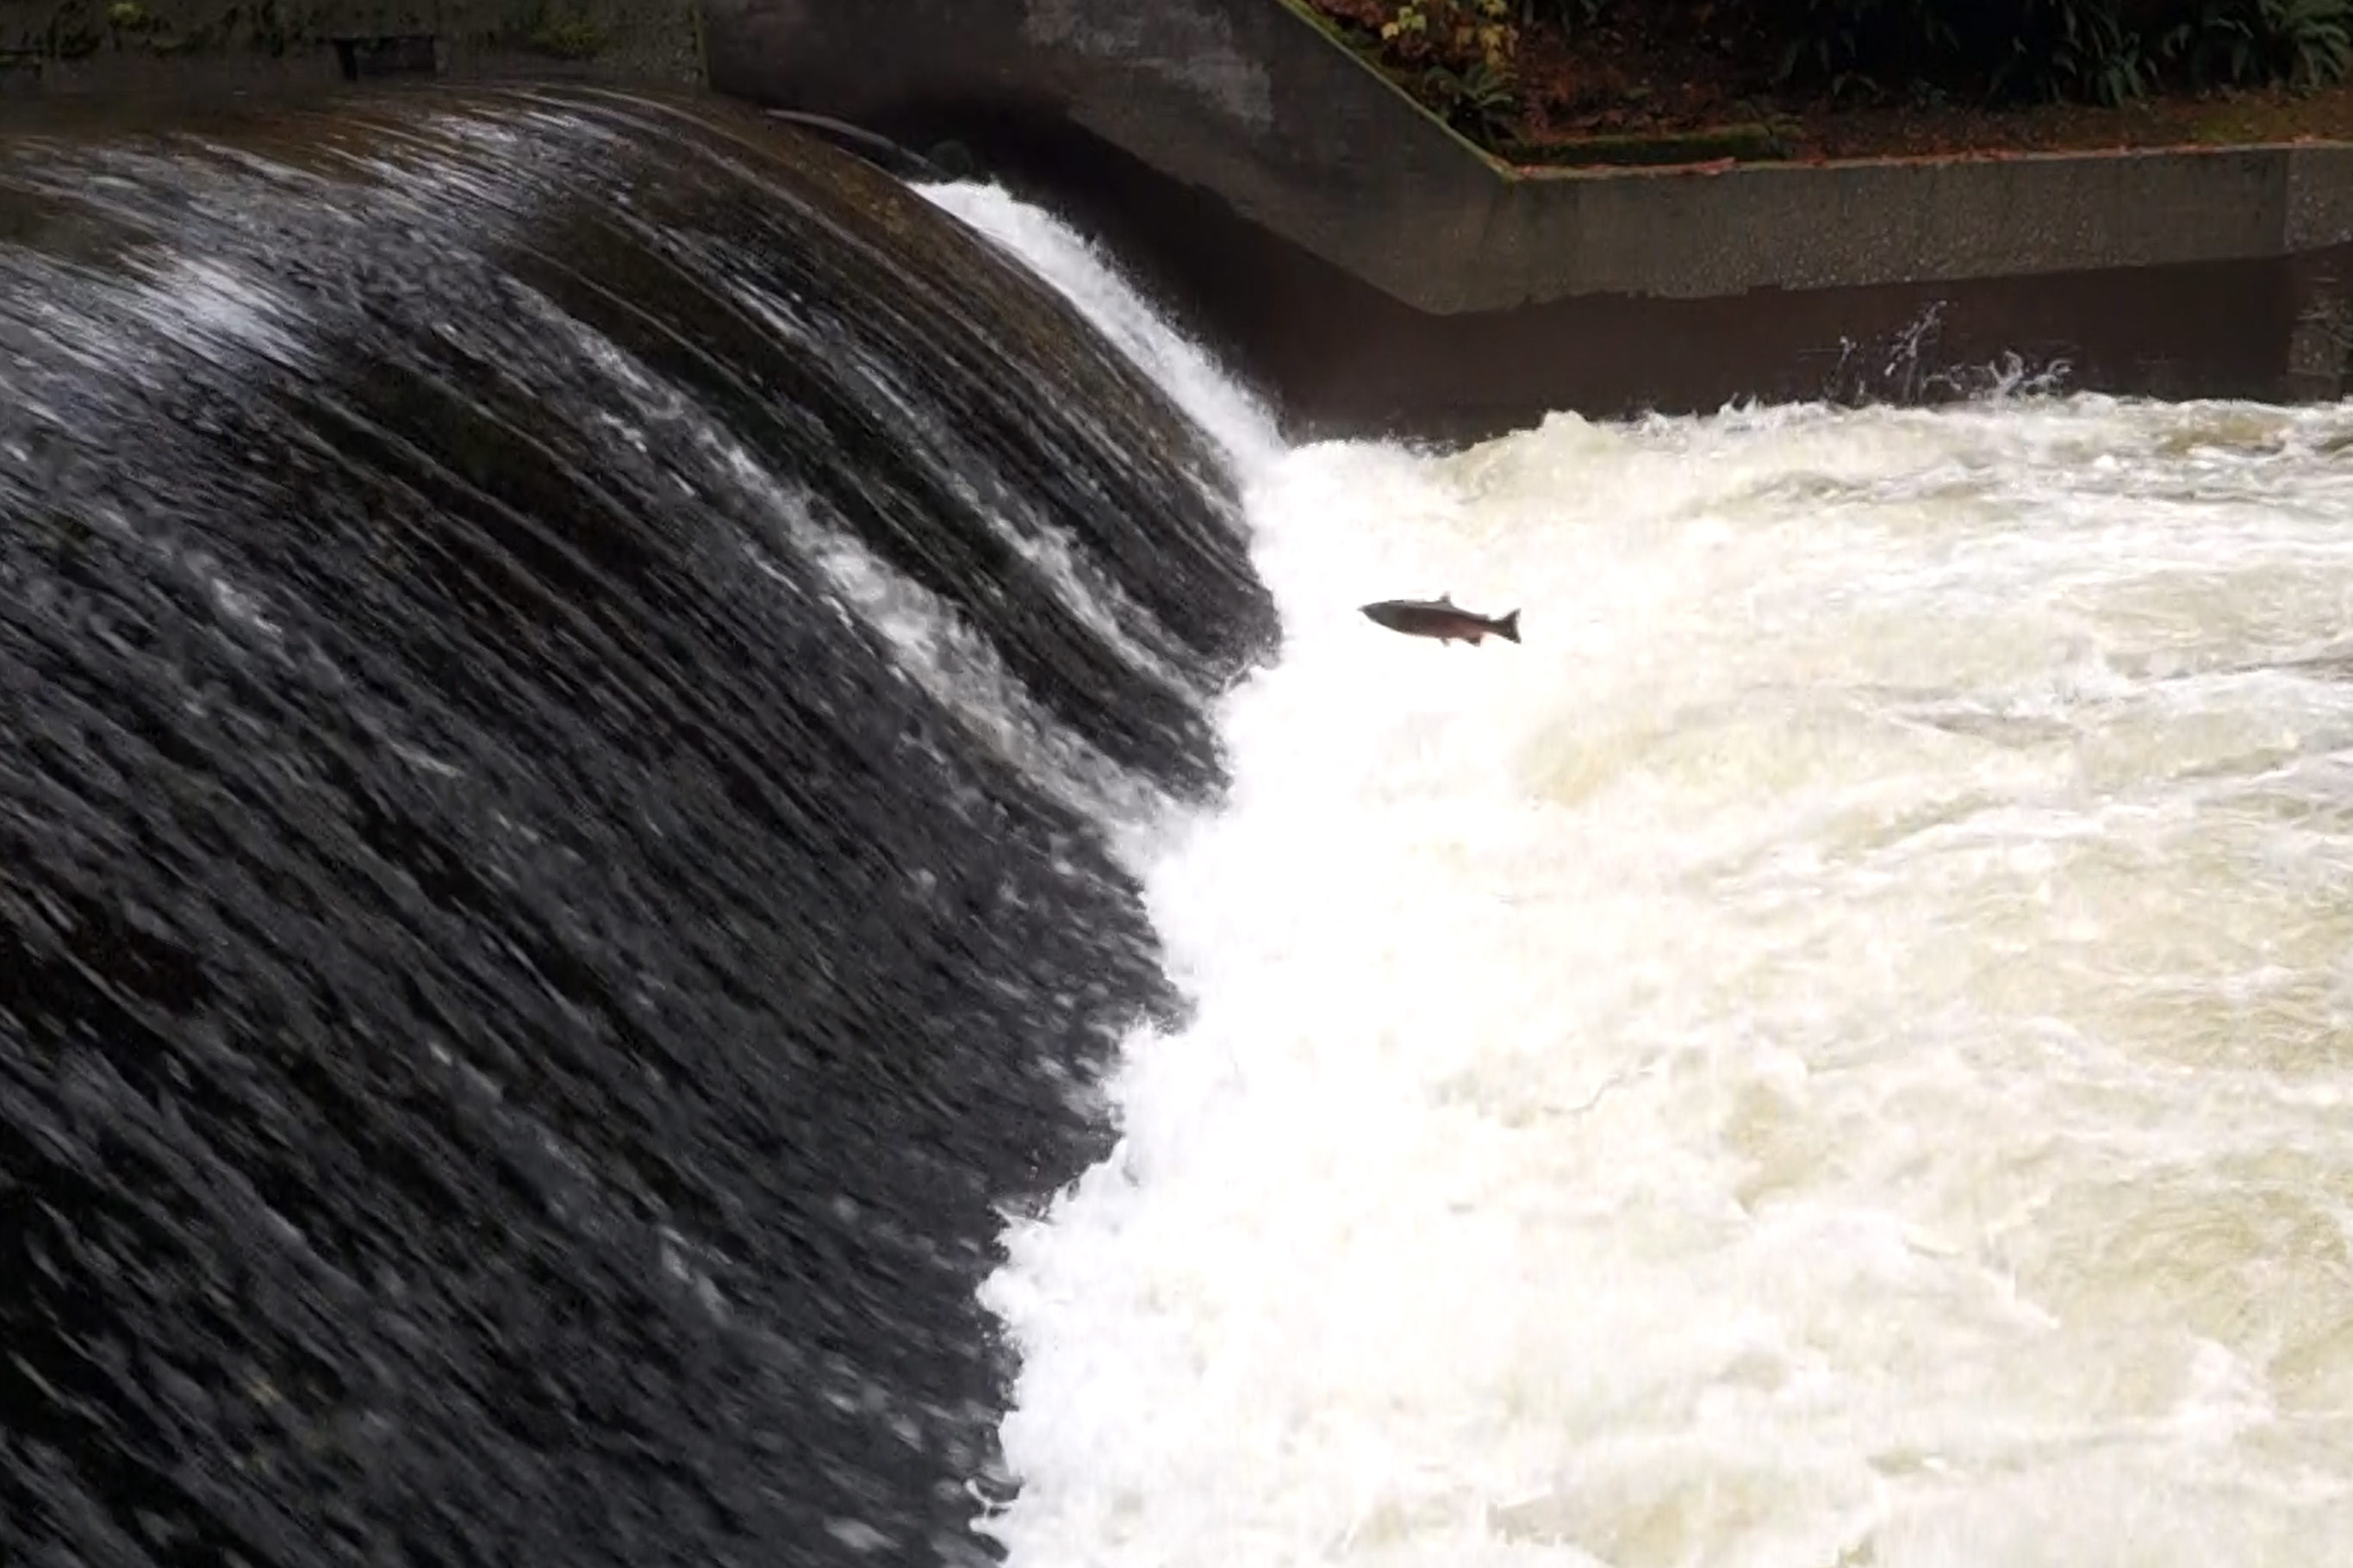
x=130, y=50
x=1375, y=271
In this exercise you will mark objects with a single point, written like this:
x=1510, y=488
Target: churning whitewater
x=1835, y=1052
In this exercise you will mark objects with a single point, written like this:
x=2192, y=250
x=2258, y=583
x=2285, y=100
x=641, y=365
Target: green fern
x=1478, y=101
x=2312, y=40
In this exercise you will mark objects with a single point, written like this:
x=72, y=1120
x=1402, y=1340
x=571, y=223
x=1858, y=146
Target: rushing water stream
x=696, y=870
x=1838, y=1051
x=576, y=678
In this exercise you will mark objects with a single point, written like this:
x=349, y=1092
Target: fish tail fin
x=1509, y=626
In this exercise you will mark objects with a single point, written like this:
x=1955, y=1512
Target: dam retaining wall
x=1374, y=272
x=133, y=51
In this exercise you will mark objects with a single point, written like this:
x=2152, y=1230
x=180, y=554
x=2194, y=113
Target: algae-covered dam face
x=578, y=676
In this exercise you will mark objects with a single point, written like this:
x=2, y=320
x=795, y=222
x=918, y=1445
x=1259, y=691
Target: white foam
x=1831, y=1053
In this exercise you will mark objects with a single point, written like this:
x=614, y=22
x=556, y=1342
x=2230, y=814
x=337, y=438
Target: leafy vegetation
x=2094, y=51
x=1462, y=57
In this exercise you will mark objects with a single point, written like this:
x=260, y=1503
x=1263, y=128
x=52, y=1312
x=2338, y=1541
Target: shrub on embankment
x=1464, y=58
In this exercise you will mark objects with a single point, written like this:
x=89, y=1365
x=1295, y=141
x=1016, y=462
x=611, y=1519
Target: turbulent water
x=1837, y=1052
x=652, y=810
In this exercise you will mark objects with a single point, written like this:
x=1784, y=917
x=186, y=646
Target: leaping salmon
x=1443, y=619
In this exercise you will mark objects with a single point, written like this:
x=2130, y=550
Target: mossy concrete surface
x=172, y=46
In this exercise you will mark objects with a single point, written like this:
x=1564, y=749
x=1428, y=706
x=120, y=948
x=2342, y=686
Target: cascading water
x=1837, y=1052
x=578, y=676
x=608, y=724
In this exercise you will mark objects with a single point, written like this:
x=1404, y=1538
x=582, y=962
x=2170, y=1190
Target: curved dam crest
x=1362, y=266
x=582, y=679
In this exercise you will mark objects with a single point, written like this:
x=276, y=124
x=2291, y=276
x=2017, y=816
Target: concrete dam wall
x=128, y=51
x=1375, y=271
